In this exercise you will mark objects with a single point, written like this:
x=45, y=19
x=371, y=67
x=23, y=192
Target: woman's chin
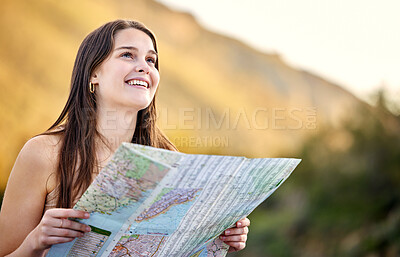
x=139, y=105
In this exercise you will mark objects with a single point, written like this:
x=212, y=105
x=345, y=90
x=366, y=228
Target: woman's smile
x=140, y=83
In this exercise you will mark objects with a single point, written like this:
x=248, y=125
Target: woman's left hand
x=236, y=237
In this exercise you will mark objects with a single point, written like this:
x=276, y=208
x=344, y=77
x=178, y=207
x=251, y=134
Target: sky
x=354, y=43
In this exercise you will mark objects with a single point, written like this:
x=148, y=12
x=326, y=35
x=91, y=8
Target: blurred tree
x=343, y=199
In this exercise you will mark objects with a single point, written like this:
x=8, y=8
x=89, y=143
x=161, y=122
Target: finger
x=50, y=222
x=236, y=245
x=236, y=231
x=55, y=240
x=238, y=238
x=63, y=232
x=70, y=224
x=245, y=222
x=67, y=213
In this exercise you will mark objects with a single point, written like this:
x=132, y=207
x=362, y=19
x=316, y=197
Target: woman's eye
x=127, y=55
x=151, y=60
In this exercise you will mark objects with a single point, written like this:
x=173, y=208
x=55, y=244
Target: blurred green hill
x=219, y=96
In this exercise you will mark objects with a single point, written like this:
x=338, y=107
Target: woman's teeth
x=138, y=83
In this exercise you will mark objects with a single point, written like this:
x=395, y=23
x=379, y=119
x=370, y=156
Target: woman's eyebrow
x=135, y=49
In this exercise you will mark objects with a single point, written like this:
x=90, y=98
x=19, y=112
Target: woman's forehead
x=133, y=37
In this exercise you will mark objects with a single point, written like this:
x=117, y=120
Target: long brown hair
x=77, y=121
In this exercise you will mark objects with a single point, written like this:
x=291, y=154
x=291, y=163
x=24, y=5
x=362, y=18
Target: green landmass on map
x=121, y=183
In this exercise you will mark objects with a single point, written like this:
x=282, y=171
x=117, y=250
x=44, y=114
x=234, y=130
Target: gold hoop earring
x=91, y=87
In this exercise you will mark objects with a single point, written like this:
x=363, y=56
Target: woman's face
x=128, y=77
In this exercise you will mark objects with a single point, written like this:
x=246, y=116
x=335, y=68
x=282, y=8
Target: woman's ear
x=94, y=79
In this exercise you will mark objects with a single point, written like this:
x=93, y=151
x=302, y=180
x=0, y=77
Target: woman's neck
x=116, y=125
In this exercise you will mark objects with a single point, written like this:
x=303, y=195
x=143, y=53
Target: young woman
x=112, y=100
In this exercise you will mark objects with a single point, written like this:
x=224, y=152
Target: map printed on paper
x=154, y=202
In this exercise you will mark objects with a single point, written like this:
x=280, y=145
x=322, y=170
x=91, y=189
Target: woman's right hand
x=56, y=228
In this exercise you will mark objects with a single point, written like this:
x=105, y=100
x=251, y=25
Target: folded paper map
x=154, y=202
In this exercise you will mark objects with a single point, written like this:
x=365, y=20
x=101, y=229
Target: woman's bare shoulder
x=45, y=141
x=39, y=156
x=43, y=145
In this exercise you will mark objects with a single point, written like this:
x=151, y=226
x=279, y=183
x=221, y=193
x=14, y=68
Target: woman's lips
x=138, y=82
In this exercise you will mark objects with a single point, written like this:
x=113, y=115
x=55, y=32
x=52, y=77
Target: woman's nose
x=142, y=67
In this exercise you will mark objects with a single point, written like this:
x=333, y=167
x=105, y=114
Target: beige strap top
x=51, y=200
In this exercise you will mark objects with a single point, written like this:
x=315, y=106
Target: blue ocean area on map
x=164, y=223
x=203, y=253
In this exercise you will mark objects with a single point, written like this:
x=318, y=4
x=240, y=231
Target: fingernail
x=239, y=224
x=222, y=237
x=88, y=229
x=87, y=215
x=227, y=232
